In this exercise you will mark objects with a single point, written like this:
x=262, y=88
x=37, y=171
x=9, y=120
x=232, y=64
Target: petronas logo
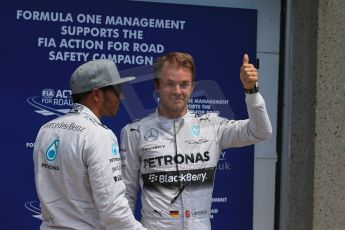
x=51, y=151
x=115, y=149
x=195, y=130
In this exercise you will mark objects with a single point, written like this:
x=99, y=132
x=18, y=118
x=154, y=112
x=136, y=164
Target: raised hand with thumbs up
x=248, y=74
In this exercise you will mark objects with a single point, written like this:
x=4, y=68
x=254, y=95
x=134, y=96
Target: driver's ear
x=96, y=94
x=193, y=85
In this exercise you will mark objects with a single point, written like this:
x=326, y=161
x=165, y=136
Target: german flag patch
x=174, y=214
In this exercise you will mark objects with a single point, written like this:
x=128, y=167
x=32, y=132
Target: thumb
x=245, y=59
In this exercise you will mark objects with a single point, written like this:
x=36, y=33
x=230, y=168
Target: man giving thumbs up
x=172, y=154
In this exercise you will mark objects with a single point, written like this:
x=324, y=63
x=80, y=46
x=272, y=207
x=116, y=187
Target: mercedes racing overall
x=174, y=161
x=78, y=175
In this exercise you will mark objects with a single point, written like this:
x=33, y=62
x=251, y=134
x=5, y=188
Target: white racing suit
x=78, y=175
x=174, y=162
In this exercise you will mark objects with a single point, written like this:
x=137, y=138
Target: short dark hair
x=77, y=98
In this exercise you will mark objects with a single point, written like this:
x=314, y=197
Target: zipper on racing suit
x=182, y=186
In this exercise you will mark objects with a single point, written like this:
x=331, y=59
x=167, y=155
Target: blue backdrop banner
x=43, y=42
